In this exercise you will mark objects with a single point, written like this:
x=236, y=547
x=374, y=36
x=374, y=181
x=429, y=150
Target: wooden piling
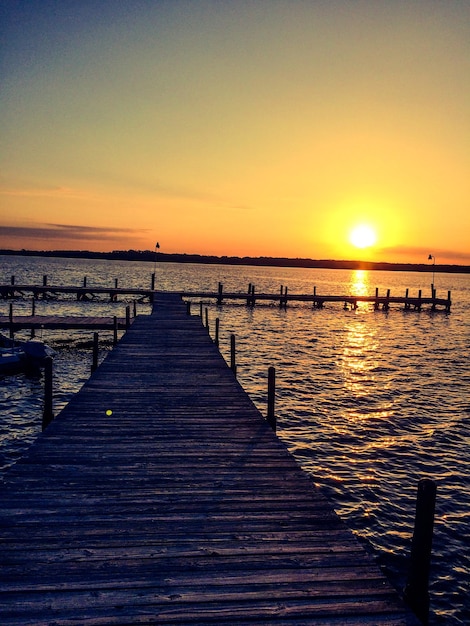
x=152, y=287
x=12, y=280
x=48, y=413
x=94, y=363
x=10, y=317
x=220, y=294
x=416, y=591
x=115, y=330
x=84, y=281
x=233, y=364
x=206, y=312
x=135, y=308
x=271, y=416
x=44, y=280
x=188, y=307
x=128, y=316
x=200, y=310
x=217, y=325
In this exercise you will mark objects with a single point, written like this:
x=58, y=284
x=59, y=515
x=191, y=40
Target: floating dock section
x=160, y=495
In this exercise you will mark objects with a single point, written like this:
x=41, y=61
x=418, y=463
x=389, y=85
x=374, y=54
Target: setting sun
x=363, y=236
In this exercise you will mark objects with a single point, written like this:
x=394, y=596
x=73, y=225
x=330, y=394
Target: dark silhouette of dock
x=160, y=495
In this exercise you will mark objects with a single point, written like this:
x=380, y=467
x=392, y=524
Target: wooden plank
x=180, y=506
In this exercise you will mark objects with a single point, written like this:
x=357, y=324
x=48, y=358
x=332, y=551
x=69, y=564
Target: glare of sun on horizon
x=363, y=236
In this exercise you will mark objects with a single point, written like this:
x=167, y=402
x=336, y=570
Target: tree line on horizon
x=164, y=257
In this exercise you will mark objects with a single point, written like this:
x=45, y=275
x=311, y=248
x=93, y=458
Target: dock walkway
x=160, y=495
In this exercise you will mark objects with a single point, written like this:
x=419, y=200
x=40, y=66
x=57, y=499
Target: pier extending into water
x=283, y=297
x=161, y=495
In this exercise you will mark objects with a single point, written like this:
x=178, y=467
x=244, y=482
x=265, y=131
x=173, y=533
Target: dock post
x=220, y=295
x=84, y=281
x=94, y=363
x=280, y=297
x=200, y=310
x=418, y=306
x=188, y=307
x=449, y=302
x=44, y=280
x=376, y=303
x=271, y=417
x=135, y=308
x=12, y=280
x=386, y=304
x=407, y=304
x=48, y=413
x=128, y=316
x=217, y=325
x=233, y=365
x=248, y=296
x=314, y=301
x=152, y=287
x=416, y=591
x=206, y=312
x=10, y=316
x=252, y=299
x=285, y=297
x=115, y=330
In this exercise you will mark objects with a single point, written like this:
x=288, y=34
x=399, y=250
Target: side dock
x=160, y=495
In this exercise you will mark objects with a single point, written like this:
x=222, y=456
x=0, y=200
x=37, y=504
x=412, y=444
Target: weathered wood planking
x=181, y=507
x=72, y=322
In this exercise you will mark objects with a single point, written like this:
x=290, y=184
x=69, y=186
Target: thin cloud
x=67, y=231
x=416, y=251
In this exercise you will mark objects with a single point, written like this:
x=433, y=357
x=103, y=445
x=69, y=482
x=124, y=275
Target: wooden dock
x=283, y=297
x=65, y=322
x=160, y=495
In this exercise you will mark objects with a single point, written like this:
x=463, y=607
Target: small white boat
x=18, y=356
x=11, y=360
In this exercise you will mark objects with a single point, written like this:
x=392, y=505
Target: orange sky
x=267, y=128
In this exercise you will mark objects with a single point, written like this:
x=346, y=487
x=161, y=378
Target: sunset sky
x=233, y=127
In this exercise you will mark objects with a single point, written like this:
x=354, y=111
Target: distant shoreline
x=162, y=257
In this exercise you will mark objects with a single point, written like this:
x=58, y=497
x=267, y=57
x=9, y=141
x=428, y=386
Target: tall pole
x=432, y=258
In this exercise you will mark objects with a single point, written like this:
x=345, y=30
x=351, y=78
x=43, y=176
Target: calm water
x=368, y=401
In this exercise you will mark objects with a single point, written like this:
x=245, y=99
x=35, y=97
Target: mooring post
x=207, y=318
x=271, y=416
x=220, y=294
x=94, y=363
x=135, y=308
x=84, y=281
x=252, y=299
x=216, y=338
x=285, y=297
x=153, y=282
x=386, y=304
x=449, y=302
x=48, y=413
x=418, y=306
x=128, y=316
x=44, y=280
x=115, y=330
x=376, y=302
x=249, y=294
x=10, y=317
x=416, y=591
x=233, y=365
x=280, y=296
x=200, y=310
x=12, y=280
x=188, y=307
